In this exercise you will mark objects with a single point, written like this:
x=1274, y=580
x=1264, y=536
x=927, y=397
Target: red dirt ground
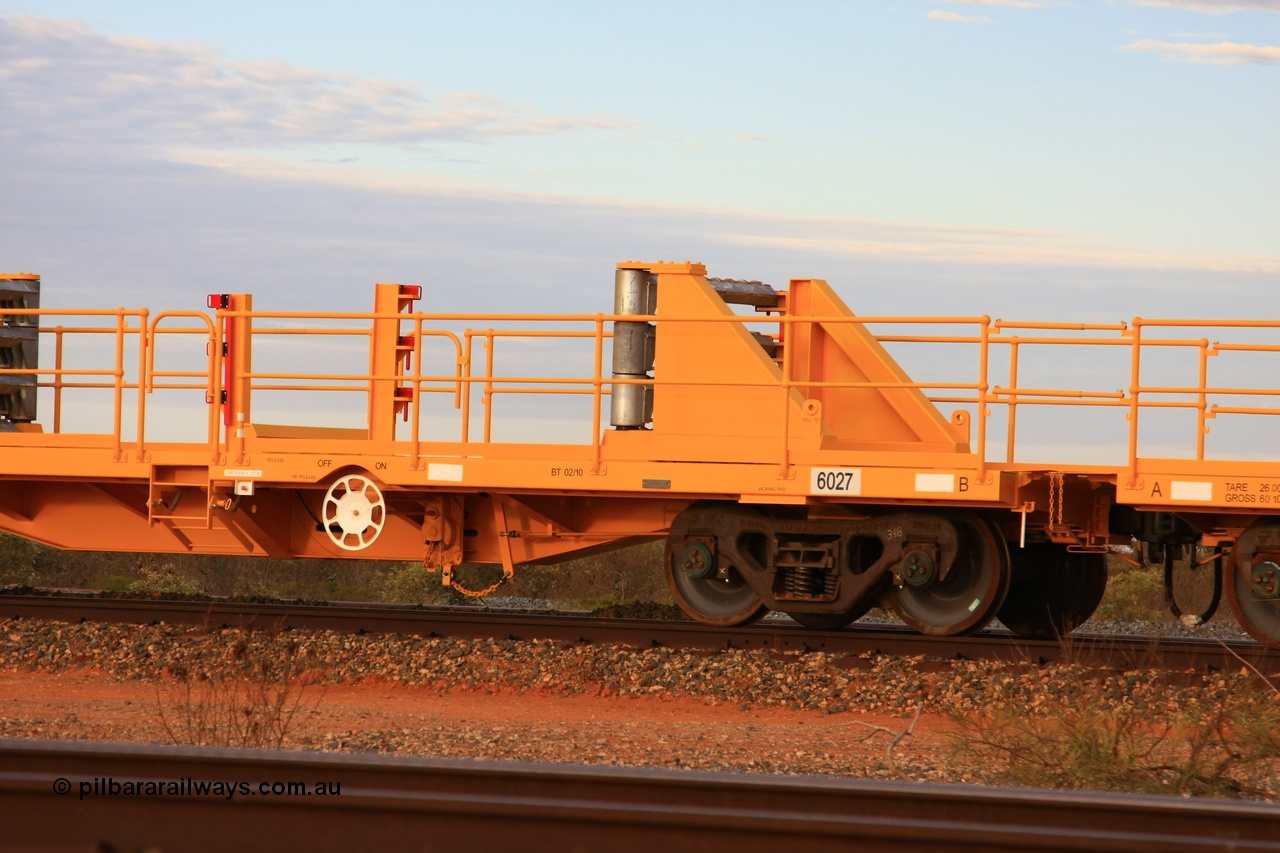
x=371, y=716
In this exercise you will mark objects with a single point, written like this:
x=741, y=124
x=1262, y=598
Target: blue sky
x=1090, y=160
x=1114, y=134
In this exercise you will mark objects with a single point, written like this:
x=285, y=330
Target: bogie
x=945, y=572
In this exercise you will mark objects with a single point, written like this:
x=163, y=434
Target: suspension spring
x=806, y=581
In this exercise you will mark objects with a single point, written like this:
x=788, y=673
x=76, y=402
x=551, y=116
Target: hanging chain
x=1055, y=498
x=1061, y=500
x=447, y=579
x=477, y=593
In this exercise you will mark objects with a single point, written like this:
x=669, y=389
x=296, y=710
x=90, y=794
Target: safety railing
x=133, y=334
x=119, y=326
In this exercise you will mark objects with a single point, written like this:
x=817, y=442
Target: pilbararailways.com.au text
x=106, y=786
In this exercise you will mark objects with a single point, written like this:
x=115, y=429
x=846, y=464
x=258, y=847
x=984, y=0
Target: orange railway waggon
x=770, y=436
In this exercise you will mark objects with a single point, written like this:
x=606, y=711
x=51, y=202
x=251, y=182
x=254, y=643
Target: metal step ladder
x=180, y=497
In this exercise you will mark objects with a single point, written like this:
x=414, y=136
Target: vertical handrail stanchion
x=1013, y=398
x=458, y=361
x=466, y=384
x=144, y=350
x=1134, y=379
x=371, y=371
x=417, y=391
x=597, y=394
x=784, y=470
x=214, y=392
x=1202, y=400
x=240, y=382
x=487, y=399
x=983, y=387
x=118, y=415
x=220, y=386
x=58, y=332
x=147, y=379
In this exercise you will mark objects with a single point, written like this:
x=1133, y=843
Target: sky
x=1090, y=160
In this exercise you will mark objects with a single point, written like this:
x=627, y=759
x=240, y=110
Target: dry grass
x=1136, y=594
x=1223, y=740
x=249, y=700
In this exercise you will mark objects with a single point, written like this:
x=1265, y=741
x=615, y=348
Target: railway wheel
x=1051, y=590
x=972, y=591
x=1253, y=589
x=710, y=593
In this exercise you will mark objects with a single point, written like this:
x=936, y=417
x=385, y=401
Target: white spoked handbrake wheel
x=354, y=512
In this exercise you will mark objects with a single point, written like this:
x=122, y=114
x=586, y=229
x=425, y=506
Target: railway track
x=1114, y=651
x=59, y=796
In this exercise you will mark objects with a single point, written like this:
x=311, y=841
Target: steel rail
x=1112, y=651
x=388, y=803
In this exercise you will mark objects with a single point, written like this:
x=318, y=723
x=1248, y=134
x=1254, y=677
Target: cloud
x=1016, y=4
x=1220, y=53
x=956, y=17
x=135, y=91
x=1214, y=7
x=848, y=240
x=992, y=247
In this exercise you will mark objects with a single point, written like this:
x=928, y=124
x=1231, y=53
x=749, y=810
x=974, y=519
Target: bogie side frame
x=768, y=435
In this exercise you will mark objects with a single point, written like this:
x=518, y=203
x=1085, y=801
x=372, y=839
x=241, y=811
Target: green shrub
x=1134, y=596
x=163, y=578
x=409, y=583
